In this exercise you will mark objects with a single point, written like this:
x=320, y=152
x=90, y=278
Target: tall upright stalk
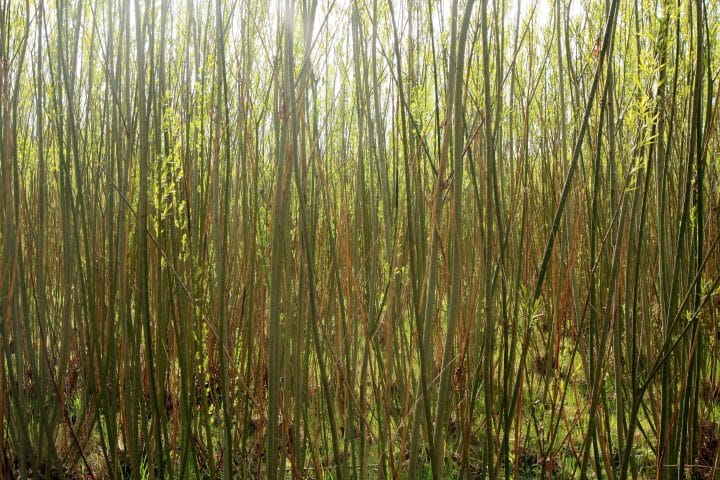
x=358, y=239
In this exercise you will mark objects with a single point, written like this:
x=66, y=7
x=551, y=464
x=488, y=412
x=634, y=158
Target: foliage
x=353, y=239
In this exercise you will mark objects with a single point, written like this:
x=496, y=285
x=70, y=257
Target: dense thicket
x=359, y=239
